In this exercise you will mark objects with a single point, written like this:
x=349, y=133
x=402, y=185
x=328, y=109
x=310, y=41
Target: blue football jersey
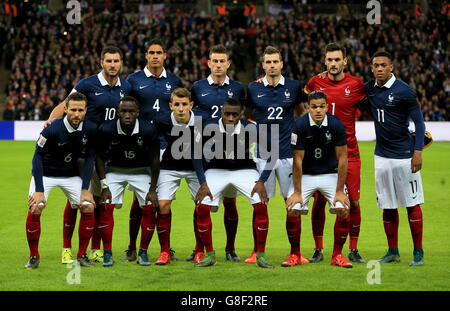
x=229, y=150
x=391, y=105
x=319, y=143
x=209, y=96
x=178, y=155
x=153, y=93
x=60, y=146
x=120, y=150
x=102, y=99
x=275, y=106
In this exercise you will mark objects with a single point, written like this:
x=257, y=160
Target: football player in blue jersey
x=273, y=103
x=103, y=92
x=128, y=154
x=230, y=166
x=152, y=88
x=398, y=154
x=175, y=165
x=58, y=148
x=209, y=95
x=320, y=164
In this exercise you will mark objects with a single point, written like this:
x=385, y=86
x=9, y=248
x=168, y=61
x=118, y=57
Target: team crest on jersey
x=140, y=142
x=230, y=94
x=168, y=87
x=390, y=98
x=121, y=94
x=84, y=140
x=347, y=91
x=287, y=94
x=328, y=136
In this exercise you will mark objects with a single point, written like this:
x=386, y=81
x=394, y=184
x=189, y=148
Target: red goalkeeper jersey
x=343, y=97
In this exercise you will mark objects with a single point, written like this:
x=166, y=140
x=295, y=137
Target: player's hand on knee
x=152, y=197
x=87, y=199
x=106, y=196
x=342, y=198
x=36, y=202
x=260, y=189
x=202, y=192
x=295, y=198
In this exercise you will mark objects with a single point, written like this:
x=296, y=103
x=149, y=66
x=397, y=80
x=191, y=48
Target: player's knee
x=164, y=206
x=86, y=208
x=354, y=203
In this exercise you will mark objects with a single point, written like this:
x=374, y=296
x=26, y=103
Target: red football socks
x=148, y=223
x=134, y=223
x=97, y=235
x=33, y=227
x=390, y=221
x=85, y=231
x=293, y=229
x=230, y=219
x=69, y=221
x=163, y=227
x=318, y=219
x=341, y=229
x=204, y=226
x=106, y=225
x=355, y=224
x=261, y=226
x=199, y=246
x=416, y=224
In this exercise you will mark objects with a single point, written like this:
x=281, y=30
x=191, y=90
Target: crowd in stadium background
x=47, y=56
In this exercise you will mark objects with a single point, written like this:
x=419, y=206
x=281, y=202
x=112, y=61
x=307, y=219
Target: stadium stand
x=42, y=57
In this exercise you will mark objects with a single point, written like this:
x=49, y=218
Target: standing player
x=103, y=92
x=398, y=156
x=125, y=156
x=231, y=167
x=273, y=103
x=152, y=88
x=174, y=168
x=208, y=96
x=58, y=148
x=344, y=93
x=320, y=164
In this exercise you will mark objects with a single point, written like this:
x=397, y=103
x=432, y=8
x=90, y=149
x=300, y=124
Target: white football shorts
x=396, y=185
x=70, y=186
x=282, y=171
x=325, y=183
x=169, y=182
x=118, y=182
x=223, y=182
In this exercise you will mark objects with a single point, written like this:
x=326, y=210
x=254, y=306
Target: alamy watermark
x=374, y=275
x=74, y=15
x=236, y=145
x=74, y=275
x=374, y=15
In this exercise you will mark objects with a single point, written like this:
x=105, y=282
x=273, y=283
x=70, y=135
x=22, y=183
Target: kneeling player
x=231, y=168
x=59, y=147
x=318, y=139
x=129, y=152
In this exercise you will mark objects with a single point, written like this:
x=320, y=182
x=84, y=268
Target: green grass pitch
x=15, y=163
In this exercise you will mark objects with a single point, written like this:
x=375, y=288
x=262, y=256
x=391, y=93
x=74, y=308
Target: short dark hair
x=316, y=95
x=76, y=96
x=233, y=102
x=382, y=54
x=270, y=49
x=129, y=99
x=218, y=49
x=334, y=46
x=155, y=41
x=111, y=49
